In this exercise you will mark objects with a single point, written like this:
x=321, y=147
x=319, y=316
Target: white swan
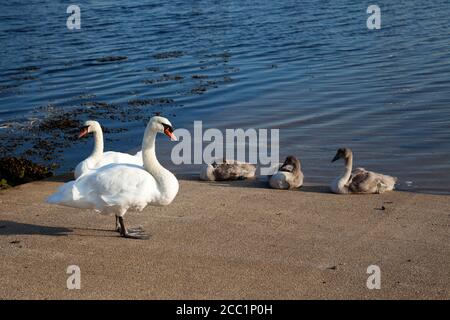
x=98, y=158
x=117, y=188
x=221, y=170
x=360, y=180
x=289, y=176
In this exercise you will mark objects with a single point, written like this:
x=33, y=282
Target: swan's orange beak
x=83, y=131
x=170, y=134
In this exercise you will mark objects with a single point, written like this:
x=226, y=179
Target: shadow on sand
x=257, y=183
x=16, y=228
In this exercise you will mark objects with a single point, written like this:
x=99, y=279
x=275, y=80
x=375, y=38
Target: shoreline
x=229, y=240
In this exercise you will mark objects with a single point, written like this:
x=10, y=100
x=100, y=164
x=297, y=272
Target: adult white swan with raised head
x=98, y=158
x=118, y=187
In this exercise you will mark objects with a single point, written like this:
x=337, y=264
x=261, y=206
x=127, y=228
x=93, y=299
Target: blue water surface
x=310, y=68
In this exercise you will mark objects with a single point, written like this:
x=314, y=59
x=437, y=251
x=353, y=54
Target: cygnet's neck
x=348, y=170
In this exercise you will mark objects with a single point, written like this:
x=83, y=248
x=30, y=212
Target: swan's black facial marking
x=342, y=153
x=339, y=154
x=168, y=131
x=167, y=127
x=84, y=131
x=290, y=164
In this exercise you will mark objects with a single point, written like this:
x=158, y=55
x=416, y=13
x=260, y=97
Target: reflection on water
x=310, y=68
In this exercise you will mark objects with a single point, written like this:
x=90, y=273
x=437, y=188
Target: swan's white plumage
x=112, y=189
x=107, y=158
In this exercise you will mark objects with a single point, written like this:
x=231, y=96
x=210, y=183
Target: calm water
x=310, y=68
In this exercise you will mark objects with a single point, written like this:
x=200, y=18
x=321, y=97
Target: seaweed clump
x=59, y=122
x=153, y=102
x=112, y=59
x=168, y=55
x=15, y=171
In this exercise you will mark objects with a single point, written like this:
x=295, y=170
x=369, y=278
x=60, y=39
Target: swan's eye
x=167, y=127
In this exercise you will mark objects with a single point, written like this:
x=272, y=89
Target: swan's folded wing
x=234, y=171
x=360, y=180
x=112, y=188
x=124, y=185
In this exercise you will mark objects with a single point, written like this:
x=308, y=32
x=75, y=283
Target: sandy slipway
x=229, y=241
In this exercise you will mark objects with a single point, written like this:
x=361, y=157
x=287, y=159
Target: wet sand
x=229, y=241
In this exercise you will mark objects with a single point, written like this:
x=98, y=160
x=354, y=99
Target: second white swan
x=98, y=158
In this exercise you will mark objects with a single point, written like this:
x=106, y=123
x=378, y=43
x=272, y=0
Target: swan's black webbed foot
x=117, y=224
x=130, y=230
x=132, y=233
x=136, y=235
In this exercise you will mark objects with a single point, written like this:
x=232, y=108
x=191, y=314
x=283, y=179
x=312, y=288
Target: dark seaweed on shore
x=44, y=140
x=15, y=171
x=59, y=122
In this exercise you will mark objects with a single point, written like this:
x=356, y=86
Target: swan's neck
x=348, y=171
x=98, y=144
x=167, y=183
